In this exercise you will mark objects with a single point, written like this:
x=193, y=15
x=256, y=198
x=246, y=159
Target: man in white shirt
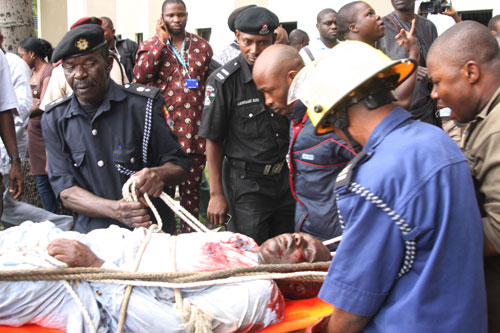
x=327, y=28
x=15, y=212
x=8, y=107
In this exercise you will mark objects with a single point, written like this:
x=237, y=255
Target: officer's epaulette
x=142, y=90
x=57, y=102
x=222, y=73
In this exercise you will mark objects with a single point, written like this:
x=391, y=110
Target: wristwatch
x=15, y=159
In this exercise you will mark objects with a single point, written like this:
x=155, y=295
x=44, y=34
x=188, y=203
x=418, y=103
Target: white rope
x=194, y=319
x=183, y=213
x=332, y=241
x=82, y=308
x=129, y=194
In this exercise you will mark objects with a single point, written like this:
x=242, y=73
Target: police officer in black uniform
x=102, y=134
x=246, y=141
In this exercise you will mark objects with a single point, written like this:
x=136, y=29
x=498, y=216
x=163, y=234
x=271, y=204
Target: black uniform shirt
x=127, y=51
x=235, y=114
x=99, y=154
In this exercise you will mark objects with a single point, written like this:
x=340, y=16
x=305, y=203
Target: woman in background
x=36, y=52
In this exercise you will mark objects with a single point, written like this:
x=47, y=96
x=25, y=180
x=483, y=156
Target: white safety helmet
x=351, y=72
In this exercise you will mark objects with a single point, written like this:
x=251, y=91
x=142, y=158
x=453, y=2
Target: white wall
x=76, y=10
x=139, y=16
x=211, y=14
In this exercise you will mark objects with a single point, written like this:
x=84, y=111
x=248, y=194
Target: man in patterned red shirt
x=177, y=61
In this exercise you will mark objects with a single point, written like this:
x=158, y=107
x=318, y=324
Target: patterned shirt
x=158, y=66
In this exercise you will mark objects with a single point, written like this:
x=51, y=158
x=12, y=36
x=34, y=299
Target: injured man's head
x=292, y=249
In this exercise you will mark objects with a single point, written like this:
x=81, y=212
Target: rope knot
x=194, y=319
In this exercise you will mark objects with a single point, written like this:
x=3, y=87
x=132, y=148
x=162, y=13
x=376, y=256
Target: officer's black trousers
x=262, y=206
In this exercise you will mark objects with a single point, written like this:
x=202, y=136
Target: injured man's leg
x=244, y=306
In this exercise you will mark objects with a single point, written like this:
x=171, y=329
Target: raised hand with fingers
x=409, y=41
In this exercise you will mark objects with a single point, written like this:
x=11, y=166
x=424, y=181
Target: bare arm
x=133, y=214
x=451, y=12
x=217, y=206
x=405, y=90
x=345, y=322
x=8, y=134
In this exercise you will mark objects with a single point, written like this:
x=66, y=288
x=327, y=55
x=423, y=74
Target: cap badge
x=264, y=30
x=82, y=44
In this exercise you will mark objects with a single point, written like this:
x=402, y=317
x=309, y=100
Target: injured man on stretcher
x=243, y=306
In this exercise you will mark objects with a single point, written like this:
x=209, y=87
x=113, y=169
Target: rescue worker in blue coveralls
x=411, y=255
x=248, y=138
x=102, y=134
x=314, y=161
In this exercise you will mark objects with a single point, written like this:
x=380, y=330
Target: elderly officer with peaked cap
x=246, y=141
x=102, y=134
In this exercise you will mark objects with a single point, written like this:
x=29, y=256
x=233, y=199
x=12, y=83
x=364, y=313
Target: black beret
x=256, y=21
x=82, y=40
x=232, y=17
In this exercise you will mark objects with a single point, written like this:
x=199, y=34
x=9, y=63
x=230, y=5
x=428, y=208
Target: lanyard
x=297, y=127
x=178, y=56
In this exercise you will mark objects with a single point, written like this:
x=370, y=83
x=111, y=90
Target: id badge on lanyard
x=188, y=82
x=191, y=83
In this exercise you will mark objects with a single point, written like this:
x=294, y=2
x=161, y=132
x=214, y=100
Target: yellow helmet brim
x=333, y=79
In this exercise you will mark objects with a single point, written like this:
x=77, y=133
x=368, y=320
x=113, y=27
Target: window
x=289, y=26
x=481, y=16
x=204, y=33
x=139, y=37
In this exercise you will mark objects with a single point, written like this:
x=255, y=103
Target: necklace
x=36, y=75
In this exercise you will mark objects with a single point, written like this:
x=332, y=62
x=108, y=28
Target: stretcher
x=28, y=329
x=299, y=314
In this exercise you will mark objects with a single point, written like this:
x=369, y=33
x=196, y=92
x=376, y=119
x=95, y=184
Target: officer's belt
x=265, y=169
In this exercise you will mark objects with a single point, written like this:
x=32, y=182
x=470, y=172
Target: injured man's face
x=293, y=248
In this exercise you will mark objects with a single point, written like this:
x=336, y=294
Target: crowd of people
x=338, y=135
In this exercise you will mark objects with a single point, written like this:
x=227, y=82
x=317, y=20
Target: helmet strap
x=376, y=93
x=340, y=121
x=379, y=98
